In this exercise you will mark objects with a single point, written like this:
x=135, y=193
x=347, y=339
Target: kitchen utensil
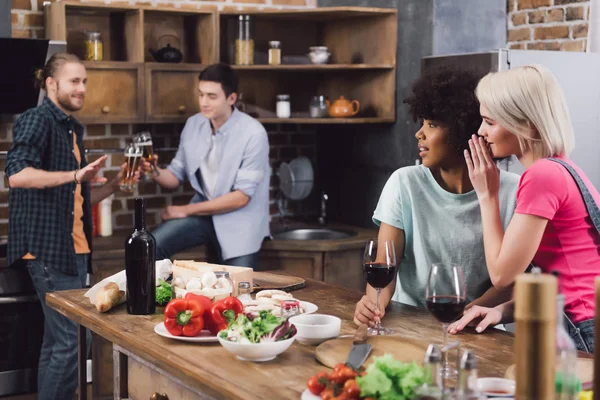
x=314, y=329
x=402, y=348
x=342, y=108
x=318, y=54
x=296, y=178
x=360, y=350
x=167, y=54
x=267, y=281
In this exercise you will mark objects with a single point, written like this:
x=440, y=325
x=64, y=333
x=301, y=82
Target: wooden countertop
x=113, y=246
x=210, y=368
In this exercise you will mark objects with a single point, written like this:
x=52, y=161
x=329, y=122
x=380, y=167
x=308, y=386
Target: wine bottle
x=140, y=259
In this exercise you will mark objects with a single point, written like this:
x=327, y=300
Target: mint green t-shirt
x=439, y=226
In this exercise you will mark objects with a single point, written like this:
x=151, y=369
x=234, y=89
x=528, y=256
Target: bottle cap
x=433, y=355
x=222, y=274
x=244, y=285
x=468, y=360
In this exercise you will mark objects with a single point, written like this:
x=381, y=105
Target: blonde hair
x=529, y=103
x=52, y=66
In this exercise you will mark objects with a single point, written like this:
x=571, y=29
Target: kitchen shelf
x=311, y=67
x=326, y=120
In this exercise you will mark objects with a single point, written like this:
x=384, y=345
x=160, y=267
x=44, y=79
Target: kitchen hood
x=22, y=57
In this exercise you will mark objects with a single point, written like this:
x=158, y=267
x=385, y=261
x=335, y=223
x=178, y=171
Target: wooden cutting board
x=403, y=349
x=269, y=281
x=585, y=370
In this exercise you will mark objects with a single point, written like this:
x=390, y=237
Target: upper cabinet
x=134, y=83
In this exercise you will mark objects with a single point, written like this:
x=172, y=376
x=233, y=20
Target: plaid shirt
x=41, y=220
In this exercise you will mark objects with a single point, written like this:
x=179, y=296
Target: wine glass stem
x=445, y=353
x=378, y=323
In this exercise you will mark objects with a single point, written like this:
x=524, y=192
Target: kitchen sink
x=313, y=234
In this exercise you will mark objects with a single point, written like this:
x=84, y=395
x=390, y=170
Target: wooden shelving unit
x=128, y=86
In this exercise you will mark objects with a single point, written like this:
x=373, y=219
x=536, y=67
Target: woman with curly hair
x=431, y=211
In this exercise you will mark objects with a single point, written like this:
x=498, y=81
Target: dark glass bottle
x=140, y=259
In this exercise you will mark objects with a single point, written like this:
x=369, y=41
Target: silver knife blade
x=360, y=350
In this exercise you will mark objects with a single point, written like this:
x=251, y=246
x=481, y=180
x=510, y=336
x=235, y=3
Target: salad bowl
x=257, y=352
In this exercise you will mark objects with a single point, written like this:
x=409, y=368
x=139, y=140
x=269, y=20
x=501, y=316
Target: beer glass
x=133, y=156
x=144, y=141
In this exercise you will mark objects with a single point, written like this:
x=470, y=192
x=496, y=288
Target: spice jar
x=289, y=308
x=244, y=291
x=318, y=107
x=274, y=52
x=224, y=281
x=283, y=106
x=244, y=44
x=93, y=47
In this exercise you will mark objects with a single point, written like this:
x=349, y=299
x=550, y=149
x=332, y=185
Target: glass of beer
x=144, y=141
x=133, y=156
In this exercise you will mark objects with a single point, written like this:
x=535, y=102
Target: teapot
x=342, y=107
x=167, y=54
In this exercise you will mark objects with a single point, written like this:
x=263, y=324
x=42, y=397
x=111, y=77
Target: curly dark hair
x=446, y=94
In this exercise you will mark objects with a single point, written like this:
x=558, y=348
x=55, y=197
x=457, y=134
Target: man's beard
x=64, y=99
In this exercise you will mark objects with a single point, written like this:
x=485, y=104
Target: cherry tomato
x=344, y=374
x=333, y=376
x=327, y=394
x=323, y=375
x=341, y=396
x=338, y=367
x=315, y=386
x=351, y=389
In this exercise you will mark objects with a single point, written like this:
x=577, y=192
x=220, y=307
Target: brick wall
x=286, y=141
x=548, y=24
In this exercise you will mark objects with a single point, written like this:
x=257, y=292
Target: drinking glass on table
x=144, y=141
x=379, y=267
x=446, y=298
x=133, y=156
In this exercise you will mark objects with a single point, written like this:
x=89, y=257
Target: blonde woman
x=524, y=113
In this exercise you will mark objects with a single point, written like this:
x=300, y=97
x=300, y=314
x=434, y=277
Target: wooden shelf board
x=111, y=64
x=321, y=13
x=352, y=120
x=310, y=67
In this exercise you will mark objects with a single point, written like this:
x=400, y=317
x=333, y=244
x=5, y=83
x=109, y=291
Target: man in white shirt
x=224, y=153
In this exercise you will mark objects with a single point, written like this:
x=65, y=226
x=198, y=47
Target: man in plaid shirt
x=50, y=211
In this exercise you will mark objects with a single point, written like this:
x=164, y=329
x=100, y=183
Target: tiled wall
x=286, y=141
x=548, y=24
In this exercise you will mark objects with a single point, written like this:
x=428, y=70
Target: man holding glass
x=224, y=153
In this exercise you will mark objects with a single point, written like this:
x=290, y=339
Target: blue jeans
x=176, y=235
x=582, y=334
x=57, y=371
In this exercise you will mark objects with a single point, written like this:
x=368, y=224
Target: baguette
x=108, y=297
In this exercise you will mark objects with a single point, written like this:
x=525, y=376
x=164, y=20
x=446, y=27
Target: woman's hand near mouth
x=483, y=172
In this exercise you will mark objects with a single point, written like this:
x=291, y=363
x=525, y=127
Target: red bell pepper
x=226, y=311
x=207, y=303
x=183, y=317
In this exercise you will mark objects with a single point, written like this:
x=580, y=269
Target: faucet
x=323, y=217
x=281, y=207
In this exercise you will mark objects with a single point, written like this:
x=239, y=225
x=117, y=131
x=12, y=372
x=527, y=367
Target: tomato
x=338, y=367
x=351, y=389
x=315, y=385
x=333, y=376
x=344, y=374
x=327, y=394
x=341, y=396
x=323, y=375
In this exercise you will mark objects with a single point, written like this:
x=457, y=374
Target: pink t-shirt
x=570, y=244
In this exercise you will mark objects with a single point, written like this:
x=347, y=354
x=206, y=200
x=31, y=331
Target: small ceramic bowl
x=313, y=329
x=496, y=387
x=318, y=54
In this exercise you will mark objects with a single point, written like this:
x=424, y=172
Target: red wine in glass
x=379, y=275
x=446, y=309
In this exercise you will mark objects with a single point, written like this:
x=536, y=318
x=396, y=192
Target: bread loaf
x=108, y=297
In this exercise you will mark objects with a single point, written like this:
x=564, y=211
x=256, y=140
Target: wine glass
x=446, y=298
x=379, y=266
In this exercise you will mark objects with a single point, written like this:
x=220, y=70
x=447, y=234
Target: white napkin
x=164, y=268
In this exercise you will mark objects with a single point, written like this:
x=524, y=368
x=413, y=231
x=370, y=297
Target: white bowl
x=496, y=387
x=257, y=352
x=319, y=55
x=316, y=328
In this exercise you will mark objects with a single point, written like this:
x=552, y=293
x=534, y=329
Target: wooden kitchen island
x=146, y=363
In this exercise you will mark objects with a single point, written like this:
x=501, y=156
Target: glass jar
x=283, y=106
x=289, y=308
x=93, y=47
x=318, y=107
x=244, y=291
x=274, y=52
x=224, y=275
x=244, y=43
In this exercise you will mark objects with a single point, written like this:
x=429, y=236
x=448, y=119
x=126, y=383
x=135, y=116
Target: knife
x=360, y=350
